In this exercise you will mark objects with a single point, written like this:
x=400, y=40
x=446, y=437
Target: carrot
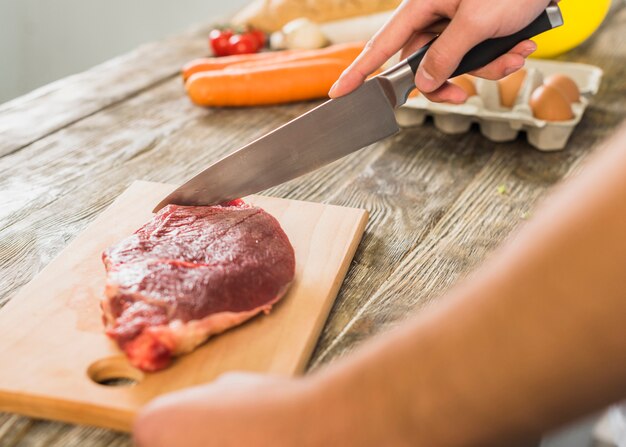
x=348, y=51
x=266, y=84
x=218, y=63
x=346, y=56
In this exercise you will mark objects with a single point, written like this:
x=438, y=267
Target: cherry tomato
x=259, y=36
x=242, y=44
x=219, y=41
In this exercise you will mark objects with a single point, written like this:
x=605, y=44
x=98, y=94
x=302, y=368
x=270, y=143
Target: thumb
x=446, y=52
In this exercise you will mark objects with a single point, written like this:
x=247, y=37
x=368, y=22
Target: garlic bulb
x=303, y=33
x=278, y=41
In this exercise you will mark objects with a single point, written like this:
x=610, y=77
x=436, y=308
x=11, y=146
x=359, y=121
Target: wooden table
x=68, y=149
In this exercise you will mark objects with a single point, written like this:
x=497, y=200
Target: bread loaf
x=271, y=15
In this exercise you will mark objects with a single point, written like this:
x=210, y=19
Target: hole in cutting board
x=114, y=371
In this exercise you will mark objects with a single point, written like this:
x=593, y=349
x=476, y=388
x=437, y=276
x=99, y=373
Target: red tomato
x=219, y=41
x=221, y=32
x=259, y=37
x=242, y=44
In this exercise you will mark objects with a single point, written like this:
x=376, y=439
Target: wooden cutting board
x=53, y=348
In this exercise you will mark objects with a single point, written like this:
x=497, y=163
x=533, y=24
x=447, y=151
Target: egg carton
x=501, y=124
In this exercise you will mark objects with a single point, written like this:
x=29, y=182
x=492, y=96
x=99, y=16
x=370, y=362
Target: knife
x=333, y=129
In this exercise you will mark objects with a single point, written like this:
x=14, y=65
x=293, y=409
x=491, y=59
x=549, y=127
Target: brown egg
x=509, y=87
x=548, y=103
x=466, y=83
x=565, y=85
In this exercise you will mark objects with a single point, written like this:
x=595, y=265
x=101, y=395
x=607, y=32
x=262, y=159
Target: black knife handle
x=491, y=49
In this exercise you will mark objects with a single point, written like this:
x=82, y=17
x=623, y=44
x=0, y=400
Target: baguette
x=271, y=15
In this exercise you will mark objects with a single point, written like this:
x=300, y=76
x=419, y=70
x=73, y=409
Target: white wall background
x=44, y=40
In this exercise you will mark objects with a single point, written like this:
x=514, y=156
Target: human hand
x=237, y=409
x=336, y=408
x=463, y=24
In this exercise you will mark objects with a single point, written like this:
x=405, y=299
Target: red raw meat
x=189, y=273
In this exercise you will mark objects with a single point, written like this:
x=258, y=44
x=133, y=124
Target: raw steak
x=189, y=273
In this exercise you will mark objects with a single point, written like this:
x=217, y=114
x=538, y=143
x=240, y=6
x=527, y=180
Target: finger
x=448, y=93
x=446, y=52
x=163, y=419
x=190, y=411
x=419, y=39
x=408, y=18
x=242, y=378
x=525, y=48
x=507, y=63
x=437, y=27
x=152, y=425
x=352, y=78
x=501, y=67
x=238, y=409
x=416, y=42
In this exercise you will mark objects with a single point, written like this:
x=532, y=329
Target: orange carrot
x=346, y=56
x=218, y=63
x=348, y=51
x=266, y=84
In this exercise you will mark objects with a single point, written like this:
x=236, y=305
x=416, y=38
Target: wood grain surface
x=53, y=328
x=70, y=99
x=435, y=210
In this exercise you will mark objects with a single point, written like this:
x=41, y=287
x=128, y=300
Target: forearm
x=535, y=337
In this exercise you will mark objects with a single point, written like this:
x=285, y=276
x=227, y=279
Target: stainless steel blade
x=328, y=132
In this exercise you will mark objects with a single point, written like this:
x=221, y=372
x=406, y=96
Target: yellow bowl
x=581, y=17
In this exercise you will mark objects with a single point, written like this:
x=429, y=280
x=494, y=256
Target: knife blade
x=333, y=129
